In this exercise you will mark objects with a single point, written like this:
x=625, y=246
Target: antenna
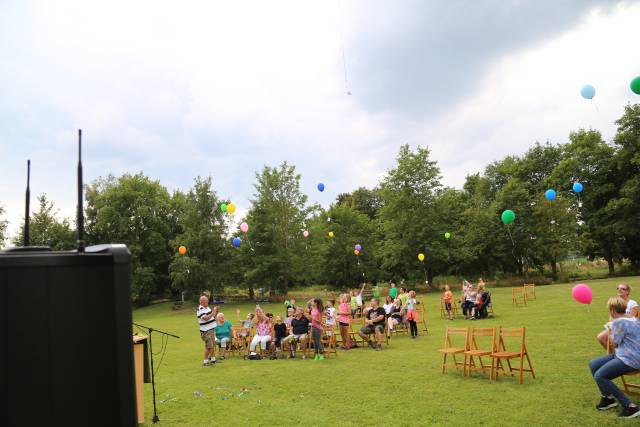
x=25, y=232
x=80, y=218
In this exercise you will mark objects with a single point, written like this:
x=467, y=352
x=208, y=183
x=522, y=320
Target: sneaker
x=316, y=357
x=206, y=363
x=378, y=347
x=292, y=356
x=320, y=357
x=371, y=344
x=630, y=411
x=606, y=403
x=221, y=357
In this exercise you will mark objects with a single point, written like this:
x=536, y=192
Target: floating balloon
x=321, y=187
x=331, y=234
x=358, y=247
x=231, y=208
x=356, y=252
x=635, y=85
x=550, y=194
x=420, y=257
x=447, y=235
x=182, y=250
x=224, y=207
x=305, y=233
x=577, y=187
x=244, y=227
x=582, y=293
x=508, y=216
x=588, y=92
x=236, y=242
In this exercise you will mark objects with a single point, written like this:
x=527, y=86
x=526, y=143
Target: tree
x=138, y=212
x=3, y=228
x=203, y=232
x=363, y=200
x=46, y=230
x=277, y=217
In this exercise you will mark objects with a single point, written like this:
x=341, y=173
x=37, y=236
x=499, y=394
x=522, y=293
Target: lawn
x=401, y=385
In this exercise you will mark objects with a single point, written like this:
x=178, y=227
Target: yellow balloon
x=231, y=208
x=331, y=234
x=421, y=257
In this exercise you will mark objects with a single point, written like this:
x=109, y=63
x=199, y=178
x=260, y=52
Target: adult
x=374, y=324
x=469, y=301
x=207, y=320
x=263, y=332
x=625, y=336
x=299, y=333
x=291, y=313
x=388, y=305
x=224, y=332
x=393, y=290
x=631, y=310
x=395, y=315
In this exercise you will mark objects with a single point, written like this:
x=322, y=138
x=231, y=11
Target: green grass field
x=403, y=384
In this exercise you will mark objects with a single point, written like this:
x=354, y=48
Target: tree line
x=406, y=214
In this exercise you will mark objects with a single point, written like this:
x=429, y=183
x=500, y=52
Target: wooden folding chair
x=487, y=336
x=450, y=349
x=329, y=341
x=400, y=328
x=518, y=297
x=455, y=308
x=356, y=338
x=423, y=318
x=502, y=353
x=530, y=291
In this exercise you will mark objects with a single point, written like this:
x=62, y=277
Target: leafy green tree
x=363, y=200
x=138, y=212
x=46, y=230
x=3, y=228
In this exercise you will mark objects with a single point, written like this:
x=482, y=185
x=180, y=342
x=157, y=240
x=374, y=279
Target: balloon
x=508, y=216
x=224, y=207
x=331, y=234
x=305, y=233
x=550, y=195
x=577, y=187
x=420, y=257
x=321, y=187
x=182, y=250
x=244, y=227
x=635, y=85
x=582, y=293
x=356, y=252
x=231, y=208
x=588, y=92
x=447, y=235
x=358, y=247
x=236, y=242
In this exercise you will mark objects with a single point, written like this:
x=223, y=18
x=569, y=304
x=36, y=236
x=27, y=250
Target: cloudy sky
x=221, y=88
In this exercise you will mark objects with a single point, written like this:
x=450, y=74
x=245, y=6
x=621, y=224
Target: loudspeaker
x=65, y=328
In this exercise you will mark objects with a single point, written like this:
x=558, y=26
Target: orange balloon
x=357, y=252
x=182, y=250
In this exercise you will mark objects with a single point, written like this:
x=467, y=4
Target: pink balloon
x=582, y=293
x=305, y=233
x=244, y=227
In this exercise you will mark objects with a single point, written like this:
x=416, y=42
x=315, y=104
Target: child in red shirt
x=447, y=301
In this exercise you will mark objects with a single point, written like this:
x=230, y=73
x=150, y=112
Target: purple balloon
x=358, y=247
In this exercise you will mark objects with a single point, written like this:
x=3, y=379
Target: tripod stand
x=153, y=379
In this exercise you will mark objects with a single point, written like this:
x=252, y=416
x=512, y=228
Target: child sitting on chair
x=245, y=331
x=280, y=329
x=447, y=301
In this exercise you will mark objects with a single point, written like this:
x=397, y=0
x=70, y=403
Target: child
x=316, y=328
x=343, y=321
x=447, y=301
x=330, y=312
x=359, y=301
x=354, y=303
x=393, y=290
x=625, y=335
x=387, y=305
x=477, y=307
x=395, y=315
x=245, y=331
x=412, y=314
x=280, y=329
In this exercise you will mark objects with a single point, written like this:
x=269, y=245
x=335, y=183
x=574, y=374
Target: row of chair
x=474, y=344
x=520, y=296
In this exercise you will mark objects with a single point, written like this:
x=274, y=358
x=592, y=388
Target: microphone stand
x=153, y=379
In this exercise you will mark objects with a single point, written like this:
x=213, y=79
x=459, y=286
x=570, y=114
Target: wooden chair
x=450, y=349
x=488, y=347
x=518, y=297
x=455, y=309
x=400, y=328
x=502, y=353
x=423, y=318
x=630, y=388
x=329, y=341
x=443, y=311
x=530, y=291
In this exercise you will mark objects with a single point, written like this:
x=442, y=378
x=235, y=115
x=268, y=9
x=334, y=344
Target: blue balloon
x=577, y=187
x=550, y=194
x=236, y=242
x=321, y=187
x=588, y=92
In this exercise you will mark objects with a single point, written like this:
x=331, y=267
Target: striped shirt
x=205, y=325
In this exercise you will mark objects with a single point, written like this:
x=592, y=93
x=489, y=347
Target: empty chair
x=482, y=343
x=461, y=336
x=501, y=353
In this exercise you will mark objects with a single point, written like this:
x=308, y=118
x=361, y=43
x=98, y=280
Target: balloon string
x=344, y=60
x=513, y=244
x=595, y=105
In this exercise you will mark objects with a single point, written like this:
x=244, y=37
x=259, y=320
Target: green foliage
x=46, y=230
x=3, y=228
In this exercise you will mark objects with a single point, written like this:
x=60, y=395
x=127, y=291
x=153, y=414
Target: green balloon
x=508, y=216
x=635, y=85
x=447, y=235
x=223, y=207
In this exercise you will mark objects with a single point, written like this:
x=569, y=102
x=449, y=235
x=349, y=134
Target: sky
x=334, y=87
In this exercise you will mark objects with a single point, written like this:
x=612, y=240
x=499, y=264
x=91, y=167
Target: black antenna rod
x=80, y=219
x=25, y=232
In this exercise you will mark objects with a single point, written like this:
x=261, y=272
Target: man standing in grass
x=207, y=320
